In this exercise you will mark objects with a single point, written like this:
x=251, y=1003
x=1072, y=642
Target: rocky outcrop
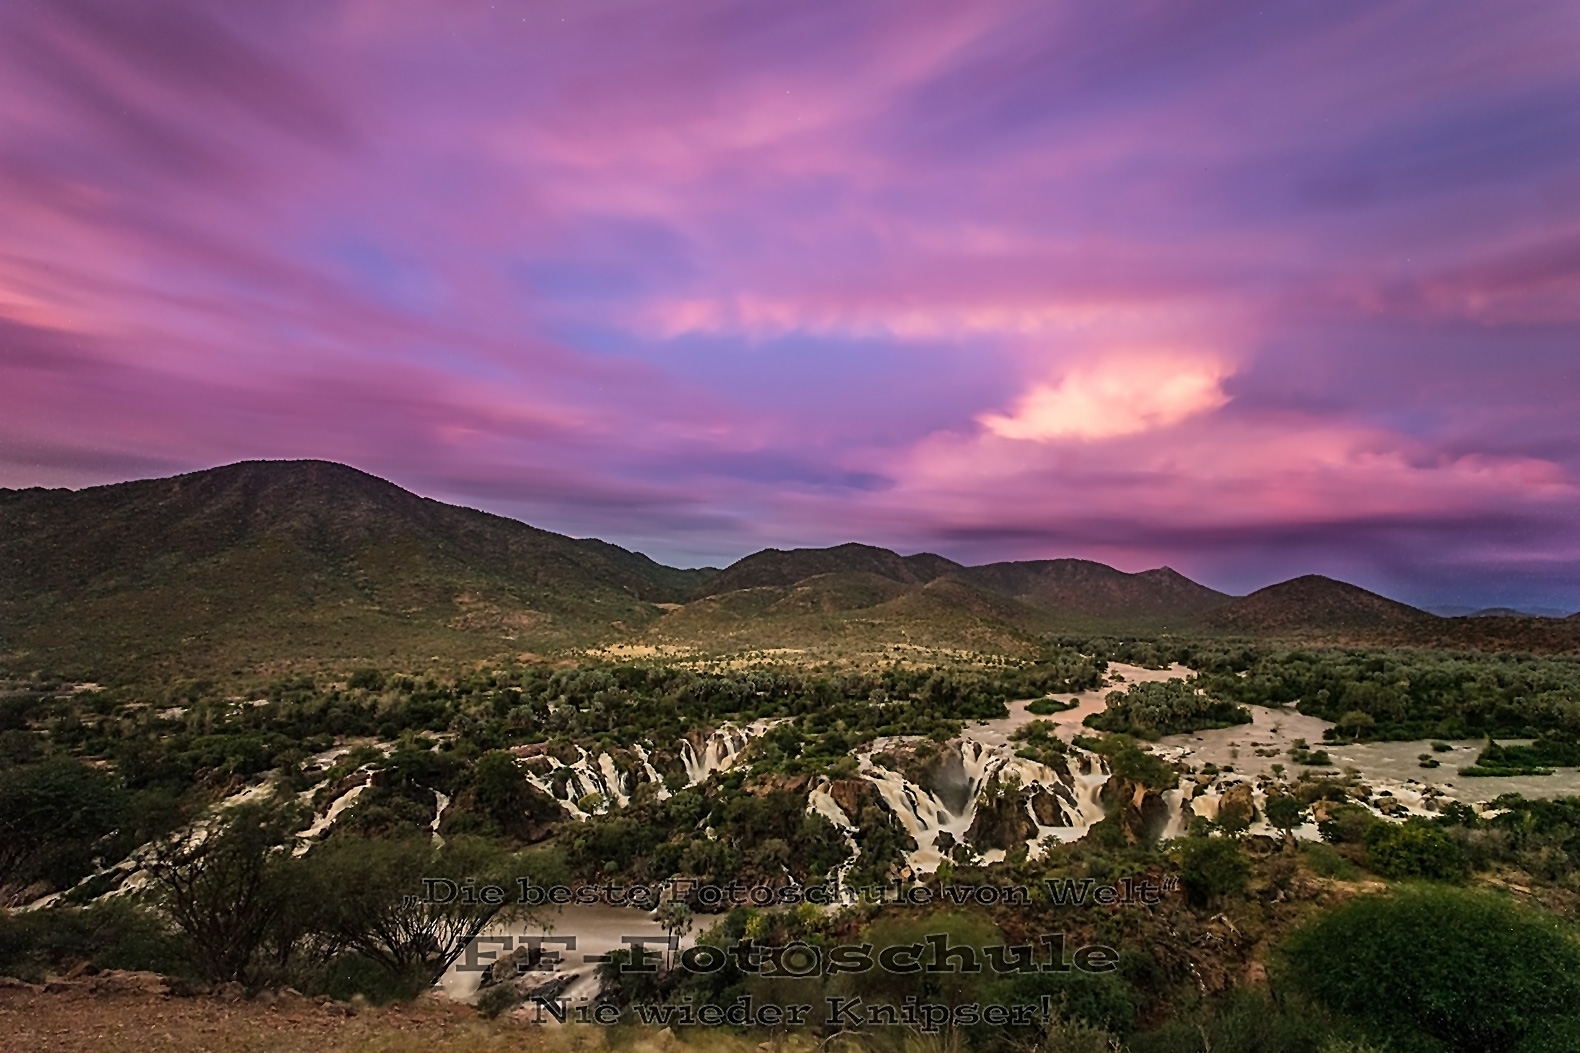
x=1001, y=822
x=1048, y=810
x=852, y=795
x=1237, y=807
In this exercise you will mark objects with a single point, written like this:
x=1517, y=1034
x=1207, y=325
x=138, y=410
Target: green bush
x=1240, y=1020
x=350, y=974
x=1152, y=708
x=1100, y=1000
x=1325, y=862
x=53, y=817
x=1442, y=968
x=1213, y=867
x=114, y=934
x=1348, y=824
x=1046, y=707
x=1415, y=848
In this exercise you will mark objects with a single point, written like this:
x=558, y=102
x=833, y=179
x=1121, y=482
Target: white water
x=925, y=813
x=721, y=749
x=822, y=802
x=986, y=750
x=652, y=773
x=327, y=820
x=589, y=776
x=600, y=777
x=440, y=803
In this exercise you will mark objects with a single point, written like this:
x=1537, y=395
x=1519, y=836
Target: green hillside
x=269, y=566
x=300, y=560
x=1313, y=603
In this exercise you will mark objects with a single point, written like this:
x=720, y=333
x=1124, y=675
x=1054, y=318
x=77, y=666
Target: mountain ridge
x=263, y=561
x=263, y=558
x=1314, y=602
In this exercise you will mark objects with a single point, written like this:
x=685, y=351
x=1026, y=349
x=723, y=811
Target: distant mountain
x=1316, y=604
x=264, y=558
x=1096, y=589
x=776, y=567
x=853, y=609
x=1068, y=587
x=270, y=566
x=1500, y=612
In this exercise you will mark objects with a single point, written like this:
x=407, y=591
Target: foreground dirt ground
x=111, y=1015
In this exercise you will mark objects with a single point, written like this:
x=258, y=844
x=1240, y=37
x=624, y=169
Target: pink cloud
x=824, y=270
x=1120, y=394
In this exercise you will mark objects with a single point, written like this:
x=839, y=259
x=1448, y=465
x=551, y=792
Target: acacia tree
x=225, y=886
x=405, y=904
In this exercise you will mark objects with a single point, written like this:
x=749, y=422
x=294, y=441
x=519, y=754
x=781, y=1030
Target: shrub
x=1414, y=849
x=1347, y=824
x=224, y=891
x=1046, y=707
x=1325, y=862
x=1466, y=969
x=114, y=934
x=52, y=817
x=1213, y=867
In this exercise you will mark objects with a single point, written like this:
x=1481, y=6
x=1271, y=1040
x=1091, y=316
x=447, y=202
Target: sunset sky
x=1247, y=289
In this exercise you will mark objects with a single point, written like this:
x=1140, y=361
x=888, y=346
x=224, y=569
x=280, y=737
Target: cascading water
x=822, y=803
x=601, y=777
x=652, y=773
x=328, y=819
x=718, y=753
x=960, y=775
x=440, y=803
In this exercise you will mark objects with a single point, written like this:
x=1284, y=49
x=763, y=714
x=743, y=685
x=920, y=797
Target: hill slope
x=777, y=567
x=269, y=565
x=1313, y=603
x=1096, y=589
x=1075, y=587
x=264, y=558
x=859, y=594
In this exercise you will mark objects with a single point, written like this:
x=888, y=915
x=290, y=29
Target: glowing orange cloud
x=1117, y=396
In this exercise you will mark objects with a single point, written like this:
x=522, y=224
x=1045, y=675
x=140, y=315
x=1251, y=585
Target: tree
x=502, y=789
x=1285, y=813
x=225, y=886
x=1213, y=867
x=401, y=903
x=1356, y=722
x=1415, y=848
x=676, y=919
x=52, y=818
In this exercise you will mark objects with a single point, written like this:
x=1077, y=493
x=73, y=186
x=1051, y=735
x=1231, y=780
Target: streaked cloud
x=1249, y=290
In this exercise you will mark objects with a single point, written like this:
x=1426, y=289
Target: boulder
x=1045, y=806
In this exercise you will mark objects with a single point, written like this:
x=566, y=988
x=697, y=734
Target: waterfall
x=614, y=784
x=720, y=751
x=1177, y=819
x=652, y=773
x=822, y=802
x=440, y=803
x=325, y=821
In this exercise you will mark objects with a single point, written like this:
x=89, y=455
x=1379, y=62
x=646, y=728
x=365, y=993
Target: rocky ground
x=115, y=1012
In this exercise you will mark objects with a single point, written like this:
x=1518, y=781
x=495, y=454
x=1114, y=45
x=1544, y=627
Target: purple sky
x=1248, y=289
